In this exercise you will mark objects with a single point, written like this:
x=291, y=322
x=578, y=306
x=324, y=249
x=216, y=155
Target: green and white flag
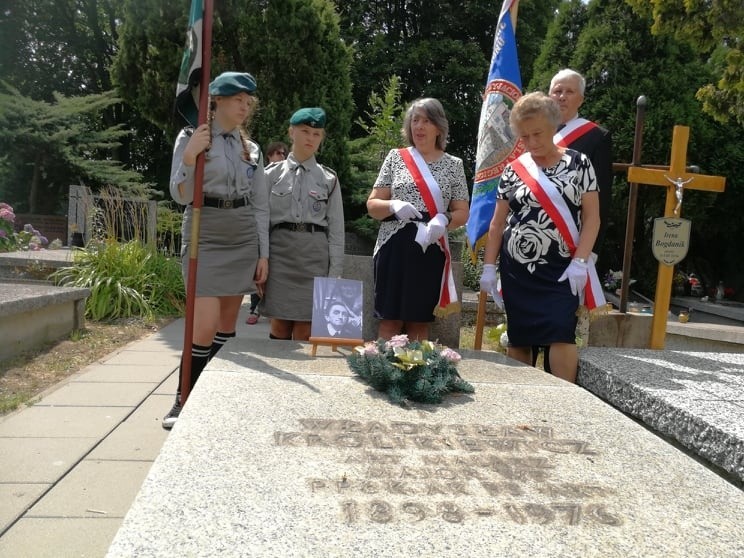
x=187, y=90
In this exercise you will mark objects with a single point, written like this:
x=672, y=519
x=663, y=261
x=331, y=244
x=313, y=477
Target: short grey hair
x=566, y=73
x=532, y=105
x=434, y=111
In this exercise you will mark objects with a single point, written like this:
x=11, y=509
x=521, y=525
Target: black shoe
x=170, y=419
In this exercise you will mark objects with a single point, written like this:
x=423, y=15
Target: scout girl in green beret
x=234, y=224
x=307, y=228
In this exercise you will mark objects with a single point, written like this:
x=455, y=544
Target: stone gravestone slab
x=280, y=454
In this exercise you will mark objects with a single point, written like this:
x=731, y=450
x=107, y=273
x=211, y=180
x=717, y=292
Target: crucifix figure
x=679, y=184
x=673, y=208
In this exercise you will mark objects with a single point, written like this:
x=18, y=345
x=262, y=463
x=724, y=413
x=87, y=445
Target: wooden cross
x=673, y=177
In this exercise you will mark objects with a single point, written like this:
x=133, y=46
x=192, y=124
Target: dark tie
x=295, y=167
x=230, y=156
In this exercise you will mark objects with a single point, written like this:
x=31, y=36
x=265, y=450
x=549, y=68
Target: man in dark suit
x=567, y=88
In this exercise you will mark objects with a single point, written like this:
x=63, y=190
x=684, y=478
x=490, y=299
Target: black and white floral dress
x=540, y=309
x=407, y=279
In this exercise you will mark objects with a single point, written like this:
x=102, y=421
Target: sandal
x=252, y=317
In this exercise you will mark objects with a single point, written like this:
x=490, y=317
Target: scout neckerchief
x=572, y=131
x=432, y=196
x=555, y=206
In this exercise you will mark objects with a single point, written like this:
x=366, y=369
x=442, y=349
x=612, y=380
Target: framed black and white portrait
x=337, y=308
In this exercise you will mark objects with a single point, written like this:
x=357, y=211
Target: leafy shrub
x=126, y=280
x=471, y=271
x=7, y=232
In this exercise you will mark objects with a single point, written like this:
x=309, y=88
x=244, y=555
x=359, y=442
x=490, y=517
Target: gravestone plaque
x=670, y=240
x=280, y=454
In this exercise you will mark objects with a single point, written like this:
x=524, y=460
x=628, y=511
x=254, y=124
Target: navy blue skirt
x=407, y=279
x=539, y=309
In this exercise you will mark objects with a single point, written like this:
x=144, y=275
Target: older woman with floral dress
x=543, y=228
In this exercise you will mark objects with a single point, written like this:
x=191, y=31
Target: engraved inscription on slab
x=398, y=471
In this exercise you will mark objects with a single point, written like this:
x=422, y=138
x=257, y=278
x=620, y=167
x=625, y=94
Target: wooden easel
x=334, y=343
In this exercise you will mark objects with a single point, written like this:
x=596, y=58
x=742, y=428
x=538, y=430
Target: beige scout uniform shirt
x=227, y=175
x=309, y=193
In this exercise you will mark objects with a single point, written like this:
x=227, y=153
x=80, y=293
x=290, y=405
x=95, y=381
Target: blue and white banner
x=497, y=145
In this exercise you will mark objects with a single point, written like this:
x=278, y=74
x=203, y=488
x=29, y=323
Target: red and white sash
x=555, y=206
x=432, y=196
x=572, y=131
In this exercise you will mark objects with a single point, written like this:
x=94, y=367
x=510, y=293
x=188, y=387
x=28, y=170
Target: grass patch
x=467, y=339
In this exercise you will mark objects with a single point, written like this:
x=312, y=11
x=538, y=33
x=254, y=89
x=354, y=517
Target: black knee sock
x=220, y=339
x=199, y=359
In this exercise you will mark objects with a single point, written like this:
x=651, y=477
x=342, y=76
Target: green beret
x=232, y=83
x=315, y=117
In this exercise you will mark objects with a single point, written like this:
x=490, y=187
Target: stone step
x=33, y=265
x=35, y=313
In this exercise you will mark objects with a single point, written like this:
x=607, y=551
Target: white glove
x=577, y=274
x=490, y=283
x=436, y=228
x=488, y=278
x=404, y=211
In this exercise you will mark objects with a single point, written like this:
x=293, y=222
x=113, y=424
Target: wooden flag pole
x=188, y=337
x=480, y=320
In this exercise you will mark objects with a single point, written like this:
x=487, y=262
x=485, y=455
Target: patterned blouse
x=448, y=171
x=531, y=237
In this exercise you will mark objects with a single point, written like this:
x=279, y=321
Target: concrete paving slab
x=99, y=394
x=15, y=499
x=320, y=465
x=59, y=537
x=95, y=488
x=42, y=421
x=169, y=386
x=123, y=373
x=140, y=436
x=158, y=344
x=40, y=460
x=156, y=359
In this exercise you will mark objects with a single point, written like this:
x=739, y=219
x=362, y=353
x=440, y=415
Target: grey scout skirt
x=296, y=258
x=228, y=251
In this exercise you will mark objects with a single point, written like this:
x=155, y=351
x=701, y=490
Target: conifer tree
x=47, y=146
x=292, y=47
